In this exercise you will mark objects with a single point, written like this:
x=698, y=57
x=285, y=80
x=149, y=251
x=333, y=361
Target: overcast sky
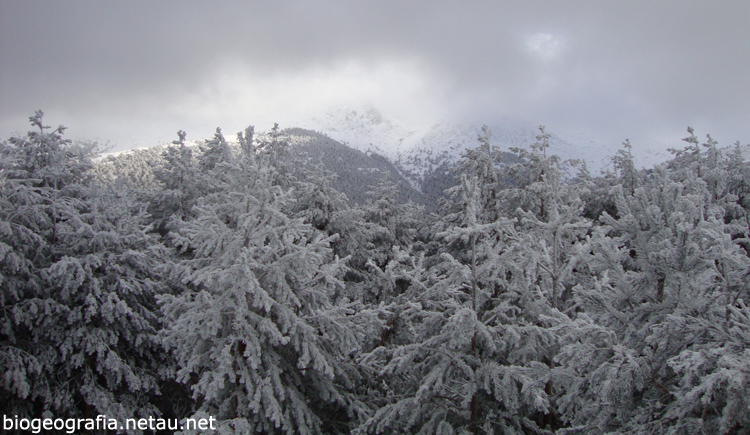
x=135, y=72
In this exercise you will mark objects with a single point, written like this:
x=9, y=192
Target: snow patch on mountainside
x=418, y=150
x=366, y=129
x=444, y=143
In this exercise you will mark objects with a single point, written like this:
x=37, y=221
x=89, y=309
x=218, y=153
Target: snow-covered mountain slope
x=419, y=150
x=365, y=129
x=424, y=155
x=357, y=172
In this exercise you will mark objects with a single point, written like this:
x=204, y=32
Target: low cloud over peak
x=121, y=70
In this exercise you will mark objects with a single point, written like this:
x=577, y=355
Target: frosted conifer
x=254, y=333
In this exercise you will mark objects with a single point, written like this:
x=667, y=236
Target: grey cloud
x=641, y=65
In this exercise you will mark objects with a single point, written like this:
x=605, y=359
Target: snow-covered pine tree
x=532, y=182
x=32, y=187
x=596, y=192
x=665, y=269
x=553, y=231
x=316, y=201
x=472, y=344
x=394, y=223
x=625, y=168
x=374, y=236
x=482, y=163
x=549, y=216
x=181, y=183
x=80, y=273
x=109, y=271
x=254, y=333
x=214, y=151
x=276, y=149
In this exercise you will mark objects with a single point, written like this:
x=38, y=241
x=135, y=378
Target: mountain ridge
x=418, y=150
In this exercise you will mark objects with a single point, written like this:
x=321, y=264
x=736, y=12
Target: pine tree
x=625, y=167
x=182, y=183
x=474, y=364
x=373, y=236
x=80, y=273
x=470, y=345
x=667, y=272
x=254, y=333
x=317, y=202
x=533, y=182
x=214, y=152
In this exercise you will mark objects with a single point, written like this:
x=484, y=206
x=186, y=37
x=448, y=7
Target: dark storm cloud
x=635, y=69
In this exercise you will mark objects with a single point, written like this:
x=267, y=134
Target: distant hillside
x=356, y=172
x=422, y=153
x=132, y=166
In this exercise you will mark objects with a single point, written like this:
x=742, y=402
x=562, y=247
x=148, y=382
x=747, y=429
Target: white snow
x=416, y=149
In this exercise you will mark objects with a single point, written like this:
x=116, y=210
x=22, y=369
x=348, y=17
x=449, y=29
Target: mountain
x=366, y=129
x=361, y=146
x=426, y=155
x=357, y=172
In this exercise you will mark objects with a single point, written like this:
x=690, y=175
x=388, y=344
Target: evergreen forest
x=537, y=300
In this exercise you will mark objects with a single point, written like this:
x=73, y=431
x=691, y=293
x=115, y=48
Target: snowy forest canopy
x=230, y=286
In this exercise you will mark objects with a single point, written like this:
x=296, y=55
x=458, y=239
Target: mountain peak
x=417, y=150
x=366, y=129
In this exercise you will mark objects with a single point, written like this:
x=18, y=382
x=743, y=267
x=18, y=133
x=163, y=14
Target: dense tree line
x=228, y=285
